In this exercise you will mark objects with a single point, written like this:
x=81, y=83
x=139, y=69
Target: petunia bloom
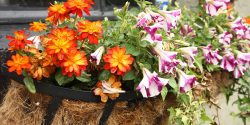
x=215, y=7
x=151, y=85
x=108, y=89
x=186, y=82
x=18, y=63
x=239, y=71
x=228, y=62
x=151, y=30
x=77, y=6
x=242, y=62
x=144, y=19
x=189, y=53
x=36, y=41
x=186, y=30
x=239, y=28
x=212, y=57
x=57, y=12
x=37, y=26
x=90, y=30
x=225, y=38
x=74, y=63
x=117, y=61
x=19, y=40
x=167, y=60
x=243, y=57
x=97, y=55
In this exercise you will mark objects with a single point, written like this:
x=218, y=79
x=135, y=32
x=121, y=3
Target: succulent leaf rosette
x=154, y=49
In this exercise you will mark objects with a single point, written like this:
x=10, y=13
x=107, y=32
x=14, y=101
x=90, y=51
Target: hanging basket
x=56, y=105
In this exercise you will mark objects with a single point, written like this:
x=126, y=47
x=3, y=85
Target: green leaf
x=198, y=62
x=173, y=84
x=204, y=117
x=143, y=43
x=184, y=120
x=84, y=77
x=25, y=73
x=129, y=75
x=105, y=74
x=61, y=79
x=29, y=83
x=131, y=49
x=185, y=98
x=164, y=93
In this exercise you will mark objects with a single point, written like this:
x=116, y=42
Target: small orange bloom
x=77, y=6
x=74, y=63
x=247, y=20
x=42, y=65
x=117, y=60
x=18, y=63
x=61, y=41
x=108, y=89
x=57, y=12
x=37, y=26
x=90, y=30
x=18, y=41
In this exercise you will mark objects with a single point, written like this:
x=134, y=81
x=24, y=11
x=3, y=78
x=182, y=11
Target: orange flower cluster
x=108, y=89
x=18, y=41
x=41, y=65
x=74, y=63
x=247, y=20
x=60, y=42
x=90, y=30
x=117, y=60
x=59, y=46
x=57, y=12
x=37, y=26
x=18, y=63
x=77, y=6
x=60, y=11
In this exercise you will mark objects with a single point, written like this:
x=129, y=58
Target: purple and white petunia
x=167, y=60
x=243, y=60
x=171, y=18
x=225, y=38
x=189, y=53
x=239, y=71
x=243, y=57
x=240, y=29
x=151, y=30
x=151, y=85
x=228, y=62
x=212, y=57
x=215, y=7
x=186, y=82
x=97, y=55
x=186, y=30
x=144, y=19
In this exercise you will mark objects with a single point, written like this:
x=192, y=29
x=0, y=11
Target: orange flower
x=117, y=60
x=247, y=20
x=108, y=89
x=42, y=66
x=74, y=63
x=77, y=6
x=61, y=41
x=18, y=63
x=57, y=12
x=19, y=41
x=90, y=30
x=37, y=26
